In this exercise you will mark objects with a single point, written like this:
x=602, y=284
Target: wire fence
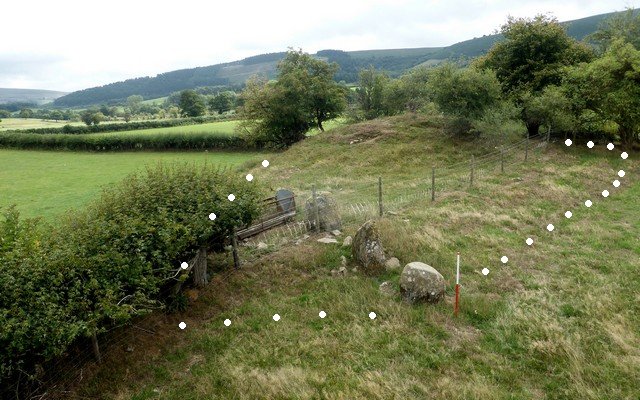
x=61, y=377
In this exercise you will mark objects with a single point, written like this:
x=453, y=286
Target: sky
x=71, y=45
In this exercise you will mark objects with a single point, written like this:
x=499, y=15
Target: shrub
x=110, y=262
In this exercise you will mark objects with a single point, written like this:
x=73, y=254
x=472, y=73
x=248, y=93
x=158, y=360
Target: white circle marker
x=231, y=197
x=568, y=214
x=485, y=271
x=265, y=163
x=550, y=227
x=624, y=155
x=621, y=173
x=610, y=146
x=605, y=193
x=588, y=203
x=212, y=216
x=249, y=177
x=590, y=144
x=227, y=322
x=322, y=314
x=276, y=317
x=529, y=241
x=616, y=183
x=372, y=315
x=184, y=265
x=568, y=142
x=504, y=260
x=182, y=325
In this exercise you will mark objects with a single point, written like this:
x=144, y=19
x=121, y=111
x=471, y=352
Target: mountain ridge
x=233, y=74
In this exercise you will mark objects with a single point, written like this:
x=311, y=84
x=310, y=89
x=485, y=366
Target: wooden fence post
x=234, y=244
x=502, y=159
x=96, y=348
x=473, y=165
x=200, y=268
x=526, y=148
x=433, y=183
x=380, y=195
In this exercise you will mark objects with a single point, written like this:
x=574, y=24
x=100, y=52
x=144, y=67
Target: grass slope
x=46, y=183
x=560, y=320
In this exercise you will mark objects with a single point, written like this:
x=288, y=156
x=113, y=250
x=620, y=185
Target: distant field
x=47, y=183
x=226, y=127
x=32, y=123
x=158, y=101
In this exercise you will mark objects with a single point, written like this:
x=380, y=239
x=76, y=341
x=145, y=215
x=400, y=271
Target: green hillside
x=36, y=96
x=394, y=61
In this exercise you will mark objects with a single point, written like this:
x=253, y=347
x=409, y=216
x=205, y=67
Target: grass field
x=46, y=183
x=560, y=320
x=225, y=127
x=32, y=123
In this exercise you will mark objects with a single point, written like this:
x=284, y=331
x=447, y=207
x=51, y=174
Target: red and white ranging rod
x=456, y=306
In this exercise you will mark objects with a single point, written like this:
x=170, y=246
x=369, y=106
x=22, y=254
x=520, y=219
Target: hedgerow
x=124, y=142
x=111, y=262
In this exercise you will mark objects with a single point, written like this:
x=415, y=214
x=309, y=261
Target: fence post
x=234, y=243
x=315, y=209
x=200, y=268
x=456, y=305
x=473, y=165
x=380, y=195
x=433, y=183
x=526, y=148
x=502, y=159
x=96, y=348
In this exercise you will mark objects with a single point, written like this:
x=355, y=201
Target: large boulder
x=328, y=216
x=420, y=282
x=367, y=249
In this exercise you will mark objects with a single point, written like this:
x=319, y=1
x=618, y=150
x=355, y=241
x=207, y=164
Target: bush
x=110, y=262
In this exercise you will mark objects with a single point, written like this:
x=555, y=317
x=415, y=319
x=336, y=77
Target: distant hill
x=394, y=61
x=28, y=96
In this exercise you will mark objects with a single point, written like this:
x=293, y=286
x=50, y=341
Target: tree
x=26, y=113
x=5, y=113
x=222, y=102
x=624, y=26
x=532, y=57
x=91, y=117
x=551, y=108
x=610, y=86
x=191, y=103
x=463, y=93
x=134, y=103
x=370, y=92
x=305, y=95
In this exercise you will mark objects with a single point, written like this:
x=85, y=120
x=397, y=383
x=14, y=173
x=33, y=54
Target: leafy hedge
x=104, y=265
x=119, y=127
x=124, y=142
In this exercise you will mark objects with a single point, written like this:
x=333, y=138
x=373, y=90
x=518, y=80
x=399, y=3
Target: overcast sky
x=70, y=45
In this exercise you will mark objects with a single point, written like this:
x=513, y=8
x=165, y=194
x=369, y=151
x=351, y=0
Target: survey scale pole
x=456, y=306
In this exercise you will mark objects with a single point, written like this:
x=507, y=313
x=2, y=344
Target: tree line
x=537, y=76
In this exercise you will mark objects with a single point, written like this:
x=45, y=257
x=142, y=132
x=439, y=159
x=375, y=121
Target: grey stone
x=386, y=288
x=347, y=241
x=327, y=240
x=336, y=232
x=262, y=246
x=285, y=201
x=392, y=264
x=328, y=216
x=367, y=249
x=420, y=282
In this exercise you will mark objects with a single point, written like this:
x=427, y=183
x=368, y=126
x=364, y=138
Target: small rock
x=392, y=213
x=354, y=269
x=386, y=288
x=129, y=348
x=342, y=270
x=305, y=237
x=367, y=249
x=336, y=232
x=298, y=242
x=347, y=241
x=343, y=261
x=334, y=272
x=327, y=240
x=392, y=264
x=262, y=246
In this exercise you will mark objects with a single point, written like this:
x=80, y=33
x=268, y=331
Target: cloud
x=70, y=45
